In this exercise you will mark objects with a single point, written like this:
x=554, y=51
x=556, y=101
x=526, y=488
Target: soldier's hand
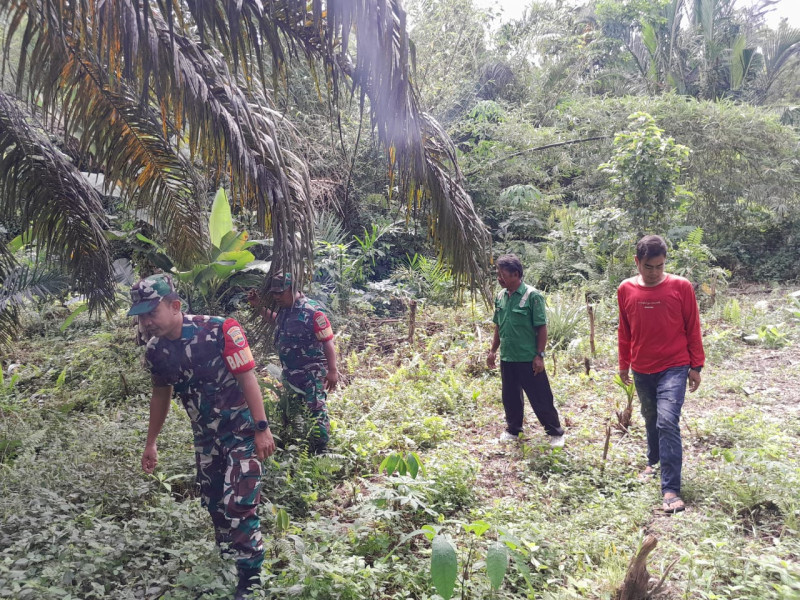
x=331, y=379
x=149, y=459
x=265, y=445
x=491, y=360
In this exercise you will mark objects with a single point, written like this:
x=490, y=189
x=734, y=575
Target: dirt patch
x=502, y=466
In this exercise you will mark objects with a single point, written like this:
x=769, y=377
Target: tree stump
x=412, y=321
x=624, y=416
x=637, y=579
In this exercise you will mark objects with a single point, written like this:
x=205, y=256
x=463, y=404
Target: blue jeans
x=661, y=395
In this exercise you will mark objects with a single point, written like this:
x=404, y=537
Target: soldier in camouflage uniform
x=304, y=339
x=207, y=362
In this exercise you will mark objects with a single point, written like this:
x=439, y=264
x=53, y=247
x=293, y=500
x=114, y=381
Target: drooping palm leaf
x=26, y=283
x=779, y=47
x=379, y=65
x=23, y=283
x=235, y=133
x=199, y=69
x=51, y=196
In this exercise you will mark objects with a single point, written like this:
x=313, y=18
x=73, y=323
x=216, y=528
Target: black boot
x=248, y=579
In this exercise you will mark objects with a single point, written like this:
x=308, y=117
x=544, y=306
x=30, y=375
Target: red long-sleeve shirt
x=659, y=326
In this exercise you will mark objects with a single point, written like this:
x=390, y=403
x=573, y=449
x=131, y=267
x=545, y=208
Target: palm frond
x=108, y=120
x=26, y=283
x=231, y=130
x=421, y=158
x=191, y=67
x=241, y=131
x=420, y=152
x=330, y=229
x=779, y=47
x=136, y=155
x=61, y=210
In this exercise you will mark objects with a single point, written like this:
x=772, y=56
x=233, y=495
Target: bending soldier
x=207, y=362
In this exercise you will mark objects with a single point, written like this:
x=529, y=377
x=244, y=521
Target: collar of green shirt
x=520, y=290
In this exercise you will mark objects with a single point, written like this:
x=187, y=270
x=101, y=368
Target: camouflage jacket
x=200, y=367
x=299, y=335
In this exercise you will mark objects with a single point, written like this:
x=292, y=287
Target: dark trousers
x=661, y=395
x=518, y=376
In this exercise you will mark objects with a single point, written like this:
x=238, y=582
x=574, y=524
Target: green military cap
x=279, y=283
x=147, y=293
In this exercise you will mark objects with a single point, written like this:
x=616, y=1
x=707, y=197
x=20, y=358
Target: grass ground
x=80, y=520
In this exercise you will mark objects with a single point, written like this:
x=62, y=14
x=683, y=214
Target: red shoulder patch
x=322, y=327
x=236, y=352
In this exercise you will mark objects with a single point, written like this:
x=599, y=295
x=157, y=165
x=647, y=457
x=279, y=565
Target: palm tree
x=709, y=49
x=157, y=91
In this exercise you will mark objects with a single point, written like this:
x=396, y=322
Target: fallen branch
x=537, y=149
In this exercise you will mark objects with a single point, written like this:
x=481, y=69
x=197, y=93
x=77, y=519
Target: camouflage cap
x=147, y=293
x=279, y=283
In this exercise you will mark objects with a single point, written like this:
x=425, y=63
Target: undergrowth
x=80, y=520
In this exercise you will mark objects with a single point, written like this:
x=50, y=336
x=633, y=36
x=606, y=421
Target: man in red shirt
x=660, y=341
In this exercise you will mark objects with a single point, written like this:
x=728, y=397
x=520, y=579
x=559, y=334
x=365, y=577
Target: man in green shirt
x=520, y=329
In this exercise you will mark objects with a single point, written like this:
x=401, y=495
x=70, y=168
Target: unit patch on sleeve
x=322, y=327
x=237, y=336
x=236, y=352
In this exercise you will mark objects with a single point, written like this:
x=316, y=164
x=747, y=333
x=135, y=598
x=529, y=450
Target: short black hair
x=510, y=263
x=651, y=246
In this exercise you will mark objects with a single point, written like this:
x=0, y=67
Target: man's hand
x=694, y=380
x=625, y=376
x=491, y=359
x=538, y=365
x=149, y=459
x=265, y=445
x=331, y=379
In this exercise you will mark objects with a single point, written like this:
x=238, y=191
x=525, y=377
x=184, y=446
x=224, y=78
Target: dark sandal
x=668, y=502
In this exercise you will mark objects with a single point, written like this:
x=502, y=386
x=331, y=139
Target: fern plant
x=426, y=278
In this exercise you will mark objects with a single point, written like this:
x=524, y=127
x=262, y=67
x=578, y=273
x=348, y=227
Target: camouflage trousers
x=230, y=488
x=312, y=394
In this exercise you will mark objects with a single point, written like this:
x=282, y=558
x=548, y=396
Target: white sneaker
x=557, y=441
x=508, y=437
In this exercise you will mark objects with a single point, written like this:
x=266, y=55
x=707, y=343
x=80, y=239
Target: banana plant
x=228, y=264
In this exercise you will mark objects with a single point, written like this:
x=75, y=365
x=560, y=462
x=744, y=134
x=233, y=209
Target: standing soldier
x=520, y=332
x=304, y=339
x=659, y=339
x=207, y=362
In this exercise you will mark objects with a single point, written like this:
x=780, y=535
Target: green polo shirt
x=519, y=325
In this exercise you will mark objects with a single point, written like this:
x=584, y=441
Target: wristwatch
x=698, y=369
x=262, y=425
x=540, y=354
